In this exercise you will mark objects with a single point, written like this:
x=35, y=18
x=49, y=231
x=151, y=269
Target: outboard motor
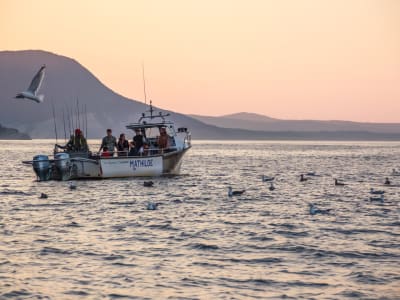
x=41, y=166
x=62, y=163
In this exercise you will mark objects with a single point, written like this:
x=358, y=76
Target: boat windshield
x=154, y=132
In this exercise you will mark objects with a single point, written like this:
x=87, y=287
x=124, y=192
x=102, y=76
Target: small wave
x=286, y=225
x=307, y=284
x=207, y=264
x=261, y=238
x=118, y=227
x=123, y=203
x=327, y=253
x=16, y=294
x=258, y=281
x=4, y=262
x=206, y=247
x=51, y=250
x=113, y=257
x=384, y=244
x=367, y=278
x=76, y=293
x=265, y=260
x=353, y=294
x=163, y=227
x=13, y=192
x=355, y=231
x=291, y=233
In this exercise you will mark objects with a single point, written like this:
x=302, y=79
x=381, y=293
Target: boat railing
x=146, y=152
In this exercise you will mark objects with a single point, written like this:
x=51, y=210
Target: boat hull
x=79, y=167
x=133, y=166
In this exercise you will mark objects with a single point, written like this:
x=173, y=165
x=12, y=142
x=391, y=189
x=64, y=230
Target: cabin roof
x=134, y=126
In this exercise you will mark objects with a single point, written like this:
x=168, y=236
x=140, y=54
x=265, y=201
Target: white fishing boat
x=151, y=161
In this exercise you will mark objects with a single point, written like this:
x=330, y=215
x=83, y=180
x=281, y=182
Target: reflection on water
x=100, y=240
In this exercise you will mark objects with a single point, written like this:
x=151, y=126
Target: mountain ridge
x=67, y=80
x=261, y=122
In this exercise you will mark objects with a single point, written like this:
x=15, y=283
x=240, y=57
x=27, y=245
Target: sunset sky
x=291, y=59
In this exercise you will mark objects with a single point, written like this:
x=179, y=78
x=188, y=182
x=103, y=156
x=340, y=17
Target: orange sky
x=293, y=59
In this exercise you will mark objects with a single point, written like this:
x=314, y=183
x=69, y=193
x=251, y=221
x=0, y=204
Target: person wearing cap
x=109, y=141
x=76, y=143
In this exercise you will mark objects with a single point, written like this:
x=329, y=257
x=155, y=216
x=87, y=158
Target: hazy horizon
x=298, y=60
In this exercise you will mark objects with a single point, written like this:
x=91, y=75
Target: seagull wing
x=37, y=81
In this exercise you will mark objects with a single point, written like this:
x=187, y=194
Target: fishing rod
x=72, y=120
x=86, y=127
x=54, y=118
x=65, y=132
x=69, y=121
x=77, y=111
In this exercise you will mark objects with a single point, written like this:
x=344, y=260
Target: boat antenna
x=54, y=118
x=144, y=85
x=65, y=132
x=151, y=109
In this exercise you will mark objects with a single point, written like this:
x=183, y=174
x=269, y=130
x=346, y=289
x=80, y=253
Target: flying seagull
x=34, y=87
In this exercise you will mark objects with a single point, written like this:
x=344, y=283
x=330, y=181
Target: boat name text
x=140, y=163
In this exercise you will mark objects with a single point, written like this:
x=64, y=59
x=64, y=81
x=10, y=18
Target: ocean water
x=99, y=241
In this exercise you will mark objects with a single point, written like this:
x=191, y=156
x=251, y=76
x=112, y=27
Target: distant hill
x=12, y=134
x=66, y=80
x=251, y=121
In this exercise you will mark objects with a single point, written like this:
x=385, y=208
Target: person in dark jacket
x=138, y=143
x=122, y=145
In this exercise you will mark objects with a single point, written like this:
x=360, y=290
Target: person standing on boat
x=138, y=143
x=163, y=139
x=109, y=141
x=122, y=145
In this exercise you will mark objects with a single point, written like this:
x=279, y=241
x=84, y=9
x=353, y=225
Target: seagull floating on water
x=148, y=183
x=302, y=178
x=267, y=178
x=152, y=206
x=33, y=88
x=314, y=210
x=271, y=187
x=376, y=192
x=379, y=198
x=72, y=186
x=395, y=172
x=337, y=182
x=234, y=193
